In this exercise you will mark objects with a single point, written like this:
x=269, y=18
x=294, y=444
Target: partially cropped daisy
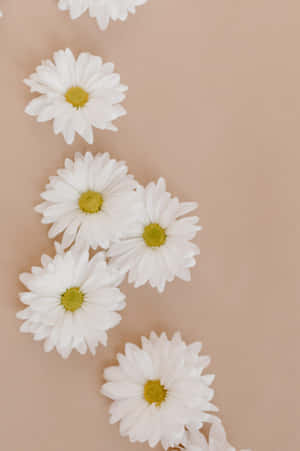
x=102, y=10
x=158, y=247
x=76, y=7
x=76, y=94
x=106, y=10
x=92, y=199
x=71, y=301
x=217, y=440
x=159, y=391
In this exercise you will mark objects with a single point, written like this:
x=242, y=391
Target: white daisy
x=92, y=199
x=106, y=10
x=217, y=440
x=72, y=302
x=159, y=390
x=159, y=246
x=76, y=94
x=102, y=10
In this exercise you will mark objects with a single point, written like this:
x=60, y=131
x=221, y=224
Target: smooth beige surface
x=213, y=106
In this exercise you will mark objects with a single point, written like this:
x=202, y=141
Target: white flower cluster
x=102, y=10
x=143, y=231
x=159, y=391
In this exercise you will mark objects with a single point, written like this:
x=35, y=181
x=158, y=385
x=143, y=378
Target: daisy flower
x=217, y=440
x=158, y=247
x=102, y=10
x=92, y=199
x=76, y=94
x=159, y=391
x=106, y=10
x=71, y=301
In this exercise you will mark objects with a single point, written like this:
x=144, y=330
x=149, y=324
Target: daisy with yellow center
x=71, y=301
x=77, y=94
x=92, y=200
x=159, y=391
x=159, y=246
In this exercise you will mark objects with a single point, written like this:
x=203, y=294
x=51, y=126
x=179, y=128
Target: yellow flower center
x=72, y=299
x=77, y=96
x=90, y=202
x=154, y=235
x=155, y=392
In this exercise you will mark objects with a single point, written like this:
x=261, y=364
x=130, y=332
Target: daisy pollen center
x=90, y=202
x=155, y=392
x=154, y=235
x=72, y=299
x=77, y=96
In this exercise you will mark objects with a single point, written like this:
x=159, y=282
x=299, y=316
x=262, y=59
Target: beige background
x=214, y=106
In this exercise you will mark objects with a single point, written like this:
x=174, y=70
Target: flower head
x=159, y=390
x=71, y=301
x=76, y=94
x=158, y=247
x=92, y=199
